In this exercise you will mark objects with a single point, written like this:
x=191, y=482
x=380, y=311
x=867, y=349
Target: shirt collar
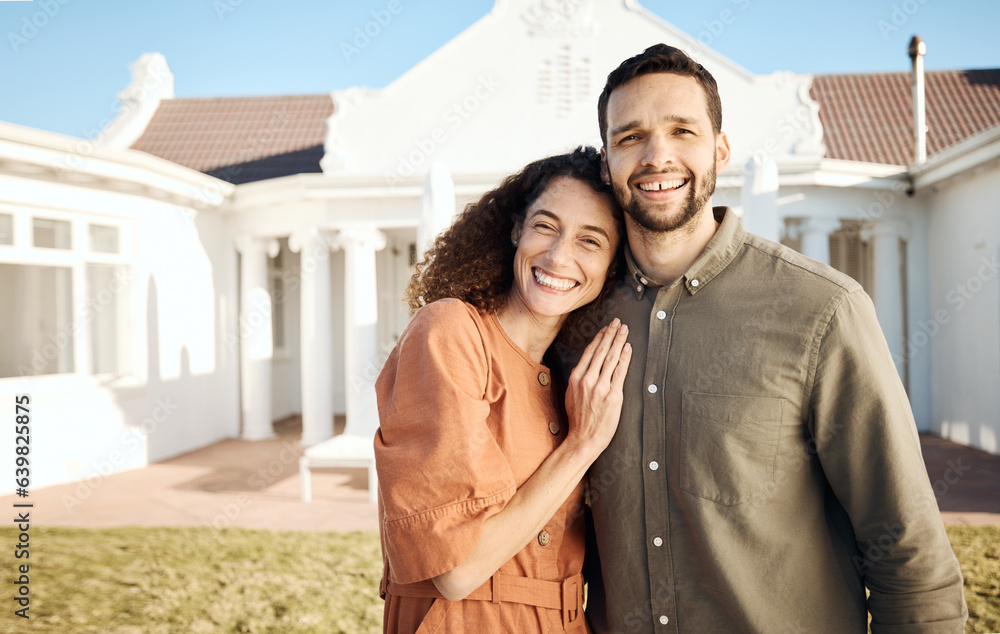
x=720, y=251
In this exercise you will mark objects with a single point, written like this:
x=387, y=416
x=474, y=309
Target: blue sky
x=63, y=61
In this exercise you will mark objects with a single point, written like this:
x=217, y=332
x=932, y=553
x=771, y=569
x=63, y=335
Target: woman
x=479, y=462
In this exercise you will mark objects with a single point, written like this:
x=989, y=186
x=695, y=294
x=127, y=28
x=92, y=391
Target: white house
x=208, y=266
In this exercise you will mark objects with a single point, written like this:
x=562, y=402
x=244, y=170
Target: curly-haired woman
x=480, y=453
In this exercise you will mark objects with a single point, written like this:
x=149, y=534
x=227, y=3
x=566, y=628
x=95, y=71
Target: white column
x=815, y=234
x=759, y=198
x=437, y=207
x=316, y=337
x=256, y=345
x=887, y=291
x=360, y=326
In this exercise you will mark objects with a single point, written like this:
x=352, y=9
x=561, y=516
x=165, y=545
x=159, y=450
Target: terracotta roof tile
x=869, y=117
x=866, y=117
x=240, y=139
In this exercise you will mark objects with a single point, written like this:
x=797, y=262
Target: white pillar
x=360, y=326
x=315, y=333
x=815, y=234
x=887, y=291
x=437, y=207
x=256, y=345
x=759, y=198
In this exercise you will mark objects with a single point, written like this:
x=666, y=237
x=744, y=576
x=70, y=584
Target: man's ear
x=722, y=152
x=605, y=172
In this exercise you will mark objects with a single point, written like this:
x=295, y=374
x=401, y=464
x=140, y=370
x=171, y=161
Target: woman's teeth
x=553, y=283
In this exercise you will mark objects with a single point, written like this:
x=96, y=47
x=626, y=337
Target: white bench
x=345, y=450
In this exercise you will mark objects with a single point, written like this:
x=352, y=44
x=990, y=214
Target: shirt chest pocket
x=728, y=446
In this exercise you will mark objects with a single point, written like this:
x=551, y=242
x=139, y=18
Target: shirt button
x=554, y=428
x=652, y=389
x=643, y=280
x=693, y=283
x=664, y=620
x=657, y=541
x=654, y=465
x=639, y=288
x=543, y=538
x=661, y=314
x=543, y=378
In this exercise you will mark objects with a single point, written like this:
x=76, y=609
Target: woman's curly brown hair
x=473, y=260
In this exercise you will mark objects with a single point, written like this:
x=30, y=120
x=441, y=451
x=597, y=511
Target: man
x=767, y=467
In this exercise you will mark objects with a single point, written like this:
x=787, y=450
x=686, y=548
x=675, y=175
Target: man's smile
x=660, y=185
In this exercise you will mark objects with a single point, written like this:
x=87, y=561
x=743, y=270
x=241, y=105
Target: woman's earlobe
x=515, y=234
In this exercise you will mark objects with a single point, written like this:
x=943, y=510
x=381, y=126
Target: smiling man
x=767, y=468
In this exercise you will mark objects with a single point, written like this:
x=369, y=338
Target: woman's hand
x=593, y=402
x=594, y=393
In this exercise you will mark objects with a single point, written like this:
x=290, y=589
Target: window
x=103, y=239
x=6, y=229
x=276, y=286
x=850, y=253
x=67, y=295
x=36, y=320
x=51, y=234
x=106, y=315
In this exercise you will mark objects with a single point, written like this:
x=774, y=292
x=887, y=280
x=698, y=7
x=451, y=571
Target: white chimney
x=917, y=51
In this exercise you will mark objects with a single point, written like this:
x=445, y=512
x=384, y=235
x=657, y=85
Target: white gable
x=523, y=82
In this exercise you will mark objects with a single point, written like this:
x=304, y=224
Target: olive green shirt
x=767, y=467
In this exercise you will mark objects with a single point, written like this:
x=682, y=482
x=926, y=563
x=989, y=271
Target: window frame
x=77, y=258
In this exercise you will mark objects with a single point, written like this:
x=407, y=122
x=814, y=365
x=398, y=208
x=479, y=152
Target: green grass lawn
x=978, y=552
x=194, y=580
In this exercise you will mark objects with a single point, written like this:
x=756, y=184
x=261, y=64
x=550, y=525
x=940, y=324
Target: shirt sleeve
x=868, y=446
x=441, y=472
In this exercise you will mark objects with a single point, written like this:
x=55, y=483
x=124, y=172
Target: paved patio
x=256, y=485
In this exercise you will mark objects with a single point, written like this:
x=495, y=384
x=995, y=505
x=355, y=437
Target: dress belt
x=565, y=595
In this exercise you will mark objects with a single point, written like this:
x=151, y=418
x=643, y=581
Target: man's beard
x=701, y=190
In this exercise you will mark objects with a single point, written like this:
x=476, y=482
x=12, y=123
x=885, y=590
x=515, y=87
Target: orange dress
x=466, y=418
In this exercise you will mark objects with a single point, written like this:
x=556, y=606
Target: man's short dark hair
x=660, y=58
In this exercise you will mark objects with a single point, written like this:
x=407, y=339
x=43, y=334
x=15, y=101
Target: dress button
x=554, y=428
x=543, y=378
x=661, y=314
x=543, y=538
x=657, y=541
x=654, y=465
x=652, y=389
x=664, y=620
x=693, y=283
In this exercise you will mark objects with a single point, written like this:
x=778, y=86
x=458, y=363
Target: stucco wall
x=963, y=248
x=177, y=389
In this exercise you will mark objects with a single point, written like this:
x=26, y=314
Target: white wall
x=175, y=387
x=177, y=391
x=479, y=112
x=964, y=244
